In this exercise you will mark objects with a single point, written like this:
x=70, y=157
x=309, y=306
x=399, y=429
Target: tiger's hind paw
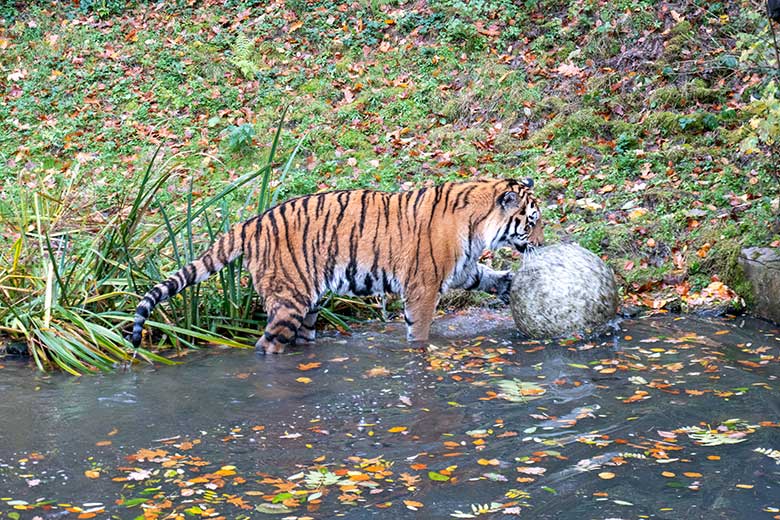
x=263, y=346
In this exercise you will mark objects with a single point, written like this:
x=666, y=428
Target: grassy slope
x=626, y=113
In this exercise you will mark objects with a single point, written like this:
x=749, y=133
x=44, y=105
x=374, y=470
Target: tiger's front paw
x=504, y=286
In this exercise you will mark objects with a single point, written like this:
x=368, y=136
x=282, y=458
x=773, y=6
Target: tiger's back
x=417, y=244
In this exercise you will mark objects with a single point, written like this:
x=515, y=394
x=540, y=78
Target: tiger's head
x=516, y=218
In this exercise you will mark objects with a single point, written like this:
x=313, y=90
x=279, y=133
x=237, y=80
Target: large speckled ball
x=562, y=290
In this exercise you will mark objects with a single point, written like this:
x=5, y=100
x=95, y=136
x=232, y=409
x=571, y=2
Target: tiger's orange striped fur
x=416, y=244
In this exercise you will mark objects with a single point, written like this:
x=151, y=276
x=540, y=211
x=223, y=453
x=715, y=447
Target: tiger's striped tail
x=224, y=250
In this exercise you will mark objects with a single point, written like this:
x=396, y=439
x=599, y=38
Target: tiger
x=416, y=244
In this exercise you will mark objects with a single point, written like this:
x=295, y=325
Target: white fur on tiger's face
x=417, y=244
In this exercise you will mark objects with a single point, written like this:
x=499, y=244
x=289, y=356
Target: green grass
x=388, y=94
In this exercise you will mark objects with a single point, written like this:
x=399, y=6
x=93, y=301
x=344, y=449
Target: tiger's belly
x=353, y=281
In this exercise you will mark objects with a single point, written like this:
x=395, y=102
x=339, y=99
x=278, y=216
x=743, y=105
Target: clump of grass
x=69, y=293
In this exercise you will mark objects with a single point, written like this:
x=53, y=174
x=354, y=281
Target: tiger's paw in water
x=263, y=346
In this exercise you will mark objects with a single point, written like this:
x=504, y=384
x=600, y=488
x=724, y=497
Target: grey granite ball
x=561, y=290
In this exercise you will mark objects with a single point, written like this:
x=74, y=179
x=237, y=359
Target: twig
x=774, y=35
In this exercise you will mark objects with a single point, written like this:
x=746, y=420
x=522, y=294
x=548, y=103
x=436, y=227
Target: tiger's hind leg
x=307, y=332
x=284, y=320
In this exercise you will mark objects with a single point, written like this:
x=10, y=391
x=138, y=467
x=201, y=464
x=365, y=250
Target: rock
x=761, y=267
x=561, y=290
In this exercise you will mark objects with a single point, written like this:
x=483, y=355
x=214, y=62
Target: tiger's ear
x=508, y=199
x=528, y=182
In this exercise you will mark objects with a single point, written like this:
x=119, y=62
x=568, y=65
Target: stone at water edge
x=761, y=267
x=561, y=290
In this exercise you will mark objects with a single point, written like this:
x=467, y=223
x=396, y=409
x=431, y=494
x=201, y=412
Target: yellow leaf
x=304, y=380
x=92, y=473
x=637, y=213
x=606, y=475
x=486, y=462
x=396, y=429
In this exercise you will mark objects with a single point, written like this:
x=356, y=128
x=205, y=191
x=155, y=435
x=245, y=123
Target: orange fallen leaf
x=92, y=473
x=606, y=475
x=309, y=366
x=409, y=480
x=377, y=371
x=412, y=504
x=667, y=474
x=692, y=474
x=103, y=443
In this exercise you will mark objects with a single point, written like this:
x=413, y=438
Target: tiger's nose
x=536, y=237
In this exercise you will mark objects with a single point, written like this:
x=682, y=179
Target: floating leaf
x=413, y=505
x=769, y=452
x=433, y=475
x=270, y=509
x=519, y=391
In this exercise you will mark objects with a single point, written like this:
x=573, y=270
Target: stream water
x=661, y=419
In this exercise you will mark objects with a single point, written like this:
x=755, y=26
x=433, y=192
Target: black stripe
x=447, y=197
x=287, y=324
x=171, y=286
x=208, y=262
x=363, y=198
x=304, y=278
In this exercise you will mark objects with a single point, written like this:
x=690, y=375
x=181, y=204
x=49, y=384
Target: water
x=379, y=430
